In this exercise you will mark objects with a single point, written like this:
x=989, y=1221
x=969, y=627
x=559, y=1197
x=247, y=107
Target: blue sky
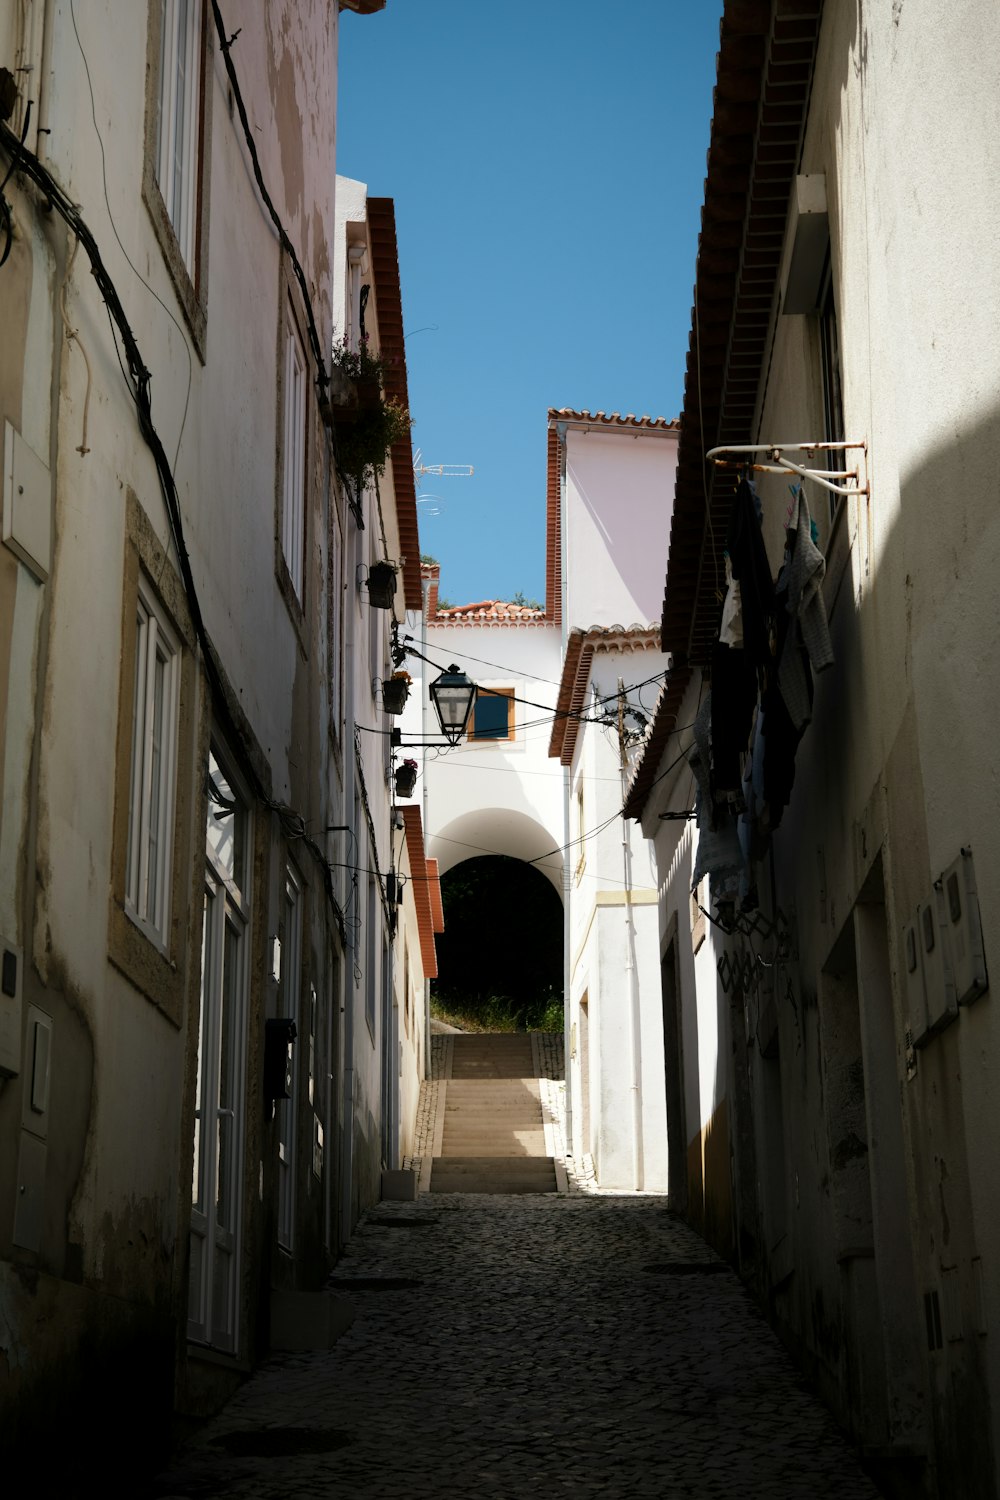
x=547, y=163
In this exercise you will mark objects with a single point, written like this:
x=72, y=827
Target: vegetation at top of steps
x=500, y=1013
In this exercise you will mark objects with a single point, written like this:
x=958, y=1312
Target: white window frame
x=293, y=513
x=287, y=1109
x=179, y=121
x=220, y=1122
x=153, y=776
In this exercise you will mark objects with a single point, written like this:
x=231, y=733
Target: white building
x=832, y=1045
x=189, y=833
x=542, y=772
x=615, y=476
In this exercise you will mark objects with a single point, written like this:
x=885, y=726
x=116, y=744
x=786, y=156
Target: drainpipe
x=567, y=776
x=44, y=81
x=351, y=954
x=631, y=970
x=567, y=884
x=424, y=701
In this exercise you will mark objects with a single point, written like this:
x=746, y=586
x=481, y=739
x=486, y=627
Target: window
x=294, y=461
x=216, y=1196
x=699, y=900
x=177, y=150
x=154, y=767
x=153, y=879
x=179, y=122
x=287, y=1109
x=493, y=714
x=581, y=860
x=833, y=403
x=371, y=951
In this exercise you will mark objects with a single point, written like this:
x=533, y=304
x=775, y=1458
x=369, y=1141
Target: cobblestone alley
x=505, y=1346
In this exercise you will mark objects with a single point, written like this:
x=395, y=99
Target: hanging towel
x=802, y=578
x=752, y=571
x=731, y=629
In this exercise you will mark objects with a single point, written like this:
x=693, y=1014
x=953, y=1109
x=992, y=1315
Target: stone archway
x=498, y=830
x=501, y=952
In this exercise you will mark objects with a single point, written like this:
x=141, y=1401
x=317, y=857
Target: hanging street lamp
x=453, y=695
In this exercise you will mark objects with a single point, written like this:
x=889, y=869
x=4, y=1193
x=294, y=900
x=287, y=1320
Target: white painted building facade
x=834, y=1054
x=548, y=786
x=188, y=833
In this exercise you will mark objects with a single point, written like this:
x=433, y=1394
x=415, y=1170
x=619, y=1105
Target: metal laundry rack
x=734, y=456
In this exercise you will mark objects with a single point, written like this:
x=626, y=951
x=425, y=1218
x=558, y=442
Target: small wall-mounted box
x=11, y=964
x=930, y=987
x=964, y=929
x=27, y=504
x=807, y=245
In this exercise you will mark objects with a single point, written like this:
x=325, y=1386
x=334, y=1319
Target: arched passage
x=501, y=953
x=498, y=830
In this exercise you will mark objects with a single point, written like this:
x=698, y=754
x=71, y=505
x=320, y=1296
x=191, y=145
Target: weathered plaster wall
x=111, y=1255
x=874, y=1181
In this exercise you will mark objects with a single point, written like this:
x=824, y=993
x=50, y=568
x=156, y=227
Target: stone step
x=492, y=1174
x=530, y=1110
x=489, y=1149
x=483, y=1094
x=482, y=1097
x=515, y=1131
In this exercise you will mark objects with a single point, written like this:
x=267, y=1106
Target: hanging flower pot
x=406, y=778
x=381, y=585
x=369, y=389
x=395, y=691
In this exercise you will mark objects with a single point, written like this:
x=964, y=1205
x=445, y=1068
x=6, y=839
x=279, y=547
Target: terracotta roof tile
x=489, y=609
x=420, y=881
x=662, y=726
x=581, y=648
x=553, y=529
x=385, y=264
x=614, y=419
x=761, y=97
x=437, y=899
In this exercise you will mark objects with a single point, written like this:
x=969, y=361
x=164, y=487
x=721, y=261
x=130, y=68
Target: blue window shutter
x=491, y=710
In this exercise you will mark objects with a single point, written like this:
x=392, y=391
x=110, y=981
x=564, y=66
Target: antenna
x=443, y=471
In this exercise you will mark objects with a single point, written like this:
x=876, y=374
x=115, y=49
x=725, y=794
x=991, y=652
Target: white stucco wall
x=614, y=952
x=617, y=505
x=502, y=797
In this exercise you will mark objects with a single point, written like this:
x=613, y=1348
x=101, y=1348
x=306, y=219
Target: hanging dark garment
x=807, y=638
x=748, y=556
x=781, y=734
x=734, y=694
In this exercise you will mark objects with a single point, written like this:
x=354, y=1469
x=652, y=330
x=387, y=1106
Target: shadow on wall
x=710, y=1198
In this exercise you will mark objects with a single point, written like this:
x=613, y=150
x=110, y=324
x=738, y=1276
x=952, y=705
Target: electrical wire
x=137, y=379
x=551, y=714
x=520, y=671
x=114, y=230
x=225, y=45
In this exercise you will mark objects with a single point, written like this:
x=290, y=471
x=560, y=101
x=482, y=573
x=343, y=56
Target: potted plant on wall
x=381, y=583
x=395, y=691
x=355, y=381
x=406, y=778
x=366, y=422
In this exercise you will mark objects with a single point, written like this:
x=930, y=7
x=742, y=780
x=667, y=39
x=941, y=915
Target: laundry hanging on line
x=773, y=635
